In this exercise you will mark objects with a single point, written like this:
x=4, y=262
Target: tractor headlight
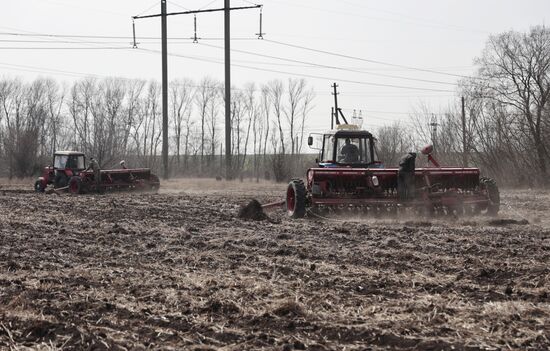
x=375, y=181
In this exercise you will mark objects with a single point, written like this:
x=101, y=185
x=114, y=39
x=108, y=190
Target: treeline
x=114, y=119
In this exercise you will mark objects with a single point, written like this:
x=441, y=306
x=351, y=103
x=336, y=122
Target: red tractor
x=350, y=178
x=69, y=172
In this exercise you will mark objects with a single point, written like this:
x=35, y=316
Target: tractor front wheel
x=296, y=199
x=75, y=185
x=38, y=187
x=493, y=195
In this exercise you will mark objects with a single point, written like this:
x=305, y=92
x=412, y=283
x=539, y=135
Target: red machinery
x=349, y=177
x=68, y=173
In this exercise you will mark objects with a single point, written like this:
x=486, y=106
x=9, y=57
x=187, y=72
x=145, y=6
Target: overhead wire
x=314, y=76
x=378, y=62
x=250, y=2
x=178, y=5
x=366, y=60
x=149, y=8
x=116, y=37
x=333, y=67
x=208, y=4
x=61, y=48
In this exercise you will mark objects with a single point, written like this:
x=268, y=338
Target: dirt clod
x=289, y=308
x=252, y=211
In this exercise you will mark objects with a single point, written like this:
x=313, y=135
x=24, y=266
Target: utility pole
x=163, y=15
x=337, y=110
x=164, y=89
x=335, y=93
x=464, y=146
x=434, y=125
x=227, y=41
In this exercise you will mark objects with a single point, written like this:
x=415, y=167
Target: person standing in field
x=94, y=166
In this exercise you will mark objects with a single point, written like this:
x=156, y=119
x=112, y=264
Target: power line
x=62, y=48
x=185, y=40
x=367, y=60
x=205, y=6
x=188, y=41
x=155, y=4
x=111, y=37
x=52, y=39
x=333, y=67
x=177, y=5
x=311, y=75
x=40, y=70
x=61, y=41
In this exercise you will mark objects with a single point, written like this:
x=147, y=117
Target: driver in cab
x=349, y=152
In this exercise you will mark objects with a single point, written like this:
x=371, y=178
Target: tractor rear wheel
x=490, y=186
x=296, y=199
x=38, y=187
x=75, y=185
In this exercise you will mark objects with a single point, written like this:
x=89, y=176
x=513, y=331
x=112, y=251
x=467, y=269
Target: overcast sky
x=437, y=35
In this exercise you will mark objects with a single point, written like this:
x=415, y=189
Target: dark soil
x=181, y=271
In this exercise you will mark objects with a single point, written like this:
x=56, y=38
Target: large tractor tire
x=490, y=186
x=296, y=199
x=75, y=185
x=38, y=187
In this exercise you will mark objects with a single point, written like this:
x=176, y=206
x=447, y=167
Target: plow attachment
x=379, y=192
x=140, y=179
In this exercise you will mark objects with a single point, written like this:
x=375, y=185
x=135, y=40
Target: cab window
x=353, y=150
x=328, y=147
x=60, y=161
x=75, y=162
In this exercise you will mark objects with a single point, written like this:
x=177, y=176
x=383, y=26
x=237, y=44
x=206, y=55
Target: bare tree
x=205, y=92
x=393, y=142
x=515, y=72
x=213, y=111
x=181, y=97
x=276, y=91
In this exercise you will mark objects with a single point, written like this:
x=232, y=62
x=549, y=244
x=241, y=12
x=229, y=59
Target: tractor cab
x=348, y=146
x=65, y=165
x=72, y=160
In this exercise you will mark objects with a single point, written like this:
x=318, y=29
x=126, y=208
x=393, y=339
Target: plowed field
x=179, y=270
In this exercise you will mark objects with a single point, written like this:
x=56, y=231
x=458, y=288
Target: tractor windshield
x=69, y=161
x=60, y=161
x=353, y=150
